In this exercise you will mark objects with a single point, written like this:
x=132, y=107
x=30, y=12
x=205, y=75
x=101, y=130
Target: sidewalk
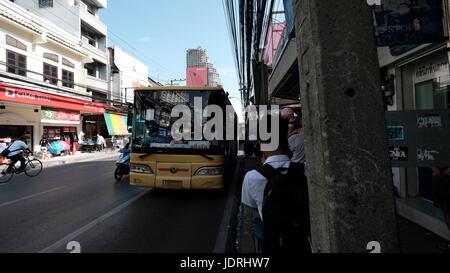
x=80, y=157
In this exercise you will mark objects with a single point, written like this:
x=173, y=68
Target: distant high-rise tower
x=200, y=72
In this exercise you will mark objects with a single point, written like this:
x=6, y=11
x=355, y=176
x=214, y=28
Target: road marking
x=62, y=243
x=31, y=196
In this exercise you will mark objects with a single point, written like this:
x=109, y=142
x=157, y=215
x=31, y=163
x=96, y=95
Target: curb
x=70, y=161
x=225, y=233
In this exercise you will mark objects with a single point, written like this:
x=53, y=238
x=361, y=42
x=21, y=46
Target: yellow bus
x=160, y=161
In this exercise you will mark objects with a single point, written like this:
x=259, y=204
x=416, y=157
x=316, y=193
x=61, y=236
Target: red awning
x=20, y=95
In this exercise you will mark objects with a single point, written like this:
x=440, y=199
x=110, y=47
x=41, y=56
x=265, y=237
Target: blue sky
x=161, y=31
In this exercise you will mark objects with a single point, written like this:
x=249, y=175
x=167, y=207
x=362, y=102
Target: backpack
x=286, y=217
x=6, y=151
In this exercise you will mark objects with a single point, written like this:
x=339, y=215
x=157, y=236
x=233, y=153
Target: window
x=45, y=3
x=67, y=79
x=50, y=74
x=67, y=63
x=51, y=57
x=16, y=63
x=431, y=95
x=15, y=43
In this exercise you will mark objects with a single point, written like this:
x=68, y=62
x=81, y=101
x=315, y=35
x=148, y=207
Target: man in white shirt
x=15, y=154
x=255, y=183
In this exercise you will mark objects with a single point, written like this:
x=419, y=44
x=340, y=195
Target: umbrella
x=57, y=147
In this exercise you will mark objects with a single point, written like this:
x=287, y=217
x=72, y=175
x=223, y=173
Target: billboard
x=408, y=22
x=197, y=76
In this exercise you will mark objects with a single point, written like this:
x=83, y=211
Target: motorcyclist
x=126, y=150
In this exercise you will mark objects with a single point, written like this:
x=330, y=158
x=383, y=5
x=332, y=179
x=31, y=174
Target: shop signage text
x=60, y=115
x=429, y=121
x=431, y=70
x=396, y=133
x=20, y=95
x=399, y=153
x=400, y=22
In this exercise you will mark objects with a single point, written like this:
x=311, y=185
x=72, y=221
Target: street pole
x=350, y=178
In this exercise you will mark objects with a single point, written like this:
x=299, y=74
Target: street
x=82, y=202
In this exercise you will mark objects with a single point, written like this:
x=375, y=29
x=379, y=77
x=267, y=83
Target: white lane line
x=31, y=196
x=62, y=243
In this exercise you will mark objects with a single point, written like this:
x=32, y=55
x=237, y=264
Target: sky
x=158, y=33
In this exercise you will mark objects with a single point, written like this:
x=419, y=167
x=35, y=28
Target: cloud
x=145, y=39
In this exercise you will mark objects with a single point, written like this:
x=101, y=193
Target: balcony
x=96, y=84
x=102, y=4
x=92, y=20
x=93, y=51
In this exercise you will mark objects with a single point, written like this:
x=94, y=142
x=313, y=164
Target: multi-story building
x=213, y=76
x=45, y=88
x=197, y=57
x=80, y=18
x=200, y=72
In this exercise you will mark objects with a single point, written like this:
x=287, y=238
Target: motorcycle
x=122, y=164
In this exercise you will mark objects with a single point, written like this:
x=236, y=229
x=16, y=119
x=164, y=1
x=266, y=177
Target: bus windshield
x=153, y=123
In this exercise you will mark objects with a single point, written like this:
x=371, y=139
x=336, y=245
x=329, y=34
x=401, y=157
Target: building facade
x=127, y=73
x=45, y=86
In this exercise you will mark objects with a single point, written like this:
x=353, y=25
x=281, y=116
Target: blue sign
x=396, y=133
x=409, y=22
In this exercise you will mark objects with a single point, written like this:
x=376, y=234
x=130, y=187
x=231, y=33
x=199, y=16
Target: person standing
x=441, y=196
x=297, y=141
x=100, y=143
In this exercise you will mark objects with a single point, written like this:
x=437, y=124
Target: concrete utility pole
x=351, y=189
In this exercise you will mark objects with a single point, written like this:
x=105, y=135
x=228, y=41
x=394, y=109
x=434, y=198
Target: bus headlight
x=209, y=171
x=139, y=168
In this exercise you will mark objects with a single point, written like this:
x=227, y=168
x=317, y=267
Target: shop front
x=17, y=120
x=44, y=117
x=61, y=125
x=419, y=134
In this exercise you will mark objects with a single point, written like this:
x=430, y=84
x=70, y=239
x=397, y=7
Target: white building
x=45, y=86
x=80, y=18
x=127, y=73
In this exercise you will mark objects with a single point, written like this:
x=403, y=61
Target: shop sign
x=399, y=153
x=25, y=96
x=400, y=22
x=431, y=70
x=429, y=121
x=396, y=133
x=426, y=155
x=60, y=115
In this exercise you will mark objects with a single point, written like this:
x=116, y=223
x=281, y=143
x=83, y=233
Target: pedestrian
x=278, y=192
x=254, y=182
x=100, y=143
x=441, y=196
x=296, y=140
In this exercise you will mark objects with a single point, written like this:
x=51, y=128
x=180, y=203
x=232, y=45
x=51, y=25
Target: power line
x=118, y=37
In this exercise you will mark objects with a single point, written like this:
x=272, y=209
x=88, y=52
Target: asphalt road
x=83, y=203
